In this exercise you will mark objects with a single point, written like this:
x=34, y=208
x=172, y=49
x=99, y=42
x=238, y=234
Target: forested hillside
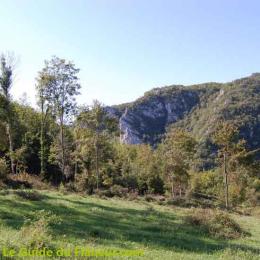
x=196, y=109
x=177, y=147
x=196, y=132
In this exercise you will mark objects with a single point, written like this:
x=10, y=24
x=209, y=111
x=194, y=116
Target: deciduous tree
x=61, y=86
x=6, y=78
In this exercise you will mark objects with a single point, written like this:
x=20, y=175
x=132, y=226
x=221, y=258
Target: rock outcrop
x=195, y=108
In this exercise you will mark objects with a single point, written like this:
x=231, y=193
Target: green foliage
x=94, y=132
x=34, y=234
x=32, y=195
x=256, y=184
x=3, y=169
x=156, y=184
x=234, y=159
x=6, y=77
x=58, y=85
x=177, y=151
x=207, y=183
x=84, y=151
x=216, y=223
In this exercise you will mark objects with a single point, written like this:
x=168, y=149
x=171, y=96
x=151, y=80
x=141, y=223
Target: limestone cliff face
x=145, y=120
x=194, y=108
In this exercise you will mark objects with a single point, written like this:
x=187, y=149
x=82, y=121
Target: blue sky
x=126, y=47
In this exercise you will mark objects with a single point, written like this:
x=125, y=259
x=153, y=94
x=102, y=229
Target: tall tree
x=232, y=153
x=43, y=83
x=97, y=125
x=177, y=151
x=6, y=70
x=61, y=86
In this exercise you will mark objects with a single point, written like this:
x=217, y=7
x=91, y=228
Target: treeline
x=79, y=149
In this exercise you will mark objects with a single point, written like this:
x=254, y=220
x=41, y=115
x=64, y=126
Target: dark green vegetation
x=161, y=231
x=208, y=157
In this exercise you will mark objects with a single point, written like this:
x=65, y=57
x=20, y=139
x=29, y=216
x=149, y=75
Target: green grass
x=160, y=231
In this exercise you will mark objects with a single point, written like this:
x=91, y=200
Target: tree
x=59, y=85
x=44, y=80
x=6, y=76
x=93, y=129
x=232, y=153
x=145, y=167
x=176, y=153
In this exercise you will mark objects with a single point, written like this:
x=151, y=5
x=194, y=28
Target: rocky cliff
x=146, y=119
x=195, y=108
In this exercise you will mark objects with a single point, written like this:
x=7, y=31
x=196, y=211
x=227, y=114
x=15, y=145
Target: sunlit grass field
x=160, y=232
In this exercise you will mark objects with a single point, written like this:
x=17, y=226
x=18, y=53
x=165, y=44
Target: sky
x=126, y=47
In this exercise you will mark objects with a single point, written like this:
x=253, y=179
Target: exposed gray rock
x=145, y=120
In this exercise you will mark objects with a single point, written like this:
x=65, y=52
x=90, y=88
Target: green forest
x=66, y=179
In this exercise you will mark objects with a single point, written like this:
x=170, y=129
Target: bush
x=156, y=185
x=115, y=190
x=133, y=195
x=216, y=223
x=62, y=189
x=85, y=183
x=208, y=183
x=119, y=191
x=29, y=195
x=3, y=169
x=103, y=193
x=149, y=198
x=34, y=234
x=252, y=197
x=256, y=184
x=27, y=180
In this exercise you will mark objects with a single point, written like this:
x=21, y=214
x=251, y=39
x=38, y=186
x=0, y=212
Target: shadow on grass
x=111, y=225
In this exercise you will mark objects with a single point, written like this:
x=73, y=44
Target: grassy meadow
x=159, y=231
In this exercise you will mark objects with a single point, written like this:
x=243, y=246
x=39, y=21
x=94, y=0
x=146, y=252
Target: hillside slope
x=195, y=108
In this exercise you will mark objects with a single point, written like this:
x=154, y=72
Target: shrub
x=71, y=187
x=216, y=223
x=156, y=185
x=34, y=234
x=177, y=202
x=3, y=169
x=62, y=189
x=103, y=193
x=149, y=198
x=27, y=180
x=252, y=197
x=29, y=195
x=85, y=183
x=119, y=191
x=208, y=183
x=132, y=195
x=160, y=199
x=115, y=190
x=256, y=184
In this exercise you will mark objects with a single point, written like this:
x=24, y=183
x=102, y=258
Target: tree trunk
x=42, y=143
x=180, y=190
x=172, y=187
x=76, y=169
x=11, y=147
x=97, y=165
x=226, y=181
x=62, y=149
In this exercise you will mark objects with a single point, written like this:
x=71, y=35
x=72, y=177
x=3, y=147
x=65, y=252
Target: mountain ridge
x=196, y=108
